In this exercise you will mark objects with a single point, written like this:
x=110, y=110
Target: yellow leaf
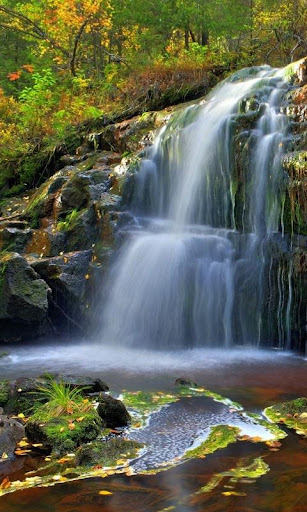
x=80, y=419
x=105, y=493
x=4, y=455
x=62, y=429
x=21, y=415
x=23, y=444
x=233, y=493
x=71, y=426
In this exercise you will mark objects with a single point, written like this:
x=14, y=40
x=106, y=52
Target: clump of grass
x=60, y=400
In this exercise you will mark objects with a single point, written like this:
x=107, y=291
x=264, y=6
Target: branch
x=115, y=58
x=77, y=40
x=39, y=33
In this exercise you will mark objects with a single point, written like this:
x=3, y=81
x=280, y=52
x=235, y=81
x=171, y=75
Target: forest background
x=73, y=65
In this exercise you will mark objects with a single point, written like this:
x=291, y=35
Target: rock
x=83, y=232
x=75, y=193
x=91, y=385
x=14, y=239
x=11, y=432
x=65, y=433
x=30, y=384
x=67, y=277
x=23, y=299
x=113, y=412
x=182, y=381
x=106, y=453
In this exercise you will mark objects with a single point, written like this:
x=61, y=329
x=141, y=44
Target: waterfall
x=193, y=268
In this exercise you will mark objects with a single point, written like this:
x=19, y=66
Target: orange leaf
x=14, y=76
x=5, y=484
x=28, y=67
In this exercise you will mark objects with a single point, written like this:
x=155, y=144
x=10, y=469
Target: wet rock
x=106, y=453
x=90, y=384
x=182, y=381
x=75, y=194
x=67, y=276
x=11, y=432
x=113, y=412
x=23, y=299
x=14, y=239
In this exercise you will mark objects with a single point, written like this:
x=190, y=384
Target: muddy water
x=255, y=379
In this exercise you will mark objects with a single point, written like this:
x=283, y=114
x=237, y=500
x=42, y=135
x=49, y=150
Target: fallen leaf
x=71, y=426
x=105, y=493
x=4, y=455
x=233, y=493
x=21, y=452
x=5, y=484
x=23, y=444
x=62, y=429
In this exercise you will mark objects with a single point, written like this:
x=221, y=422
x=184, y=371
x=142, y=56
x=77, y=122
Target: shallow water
x=254, y=378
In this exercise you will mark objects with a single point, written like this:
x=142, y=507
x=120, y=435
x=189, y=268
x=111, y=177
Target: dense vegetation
x=77, y=62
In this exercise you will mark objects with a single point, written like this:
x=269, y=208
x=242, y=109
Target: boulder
x=67, y=276
x=23, y=299
x=113, y=412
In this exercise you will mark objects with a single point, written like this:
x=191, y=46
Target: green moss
x=70, y=220
x=65, y=433
x=145, y=403
x=4, y=392
x=220, y=436
x=274, y=429
x=293, y=414
x=112, y=452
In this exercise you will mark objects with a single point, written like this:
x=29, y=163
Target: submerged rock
x=23, y=299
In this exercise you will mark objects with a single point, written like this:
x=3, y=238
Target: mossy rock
x=5, y=389
x=293, y=414
x=67, y=432
x=107, y=453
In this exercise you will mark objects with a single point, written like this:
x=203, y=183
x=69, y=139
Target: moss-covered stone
x=67, y=432
x=293, y=414
x=111, y=452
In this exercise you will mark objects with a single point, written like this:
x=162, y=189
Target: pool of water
x=254, y=378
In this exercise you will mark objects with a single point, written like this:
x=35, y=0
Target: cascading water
x=192, y=271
